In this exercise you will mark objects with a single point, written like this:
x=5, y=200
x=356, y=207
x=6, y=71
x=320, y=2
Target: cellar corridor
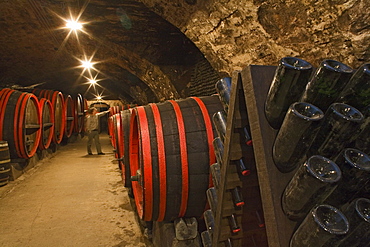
x=213, y=111
x=69, y=199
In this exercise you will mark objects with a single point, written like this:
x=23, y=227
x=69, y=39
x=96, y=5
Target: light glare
x=92, y=81
x=74, y=25
x=87, y=64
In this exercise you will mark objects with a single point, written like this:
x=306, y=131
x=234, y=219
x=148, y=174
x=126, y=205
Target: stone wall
x=233, y=34
x=203, y=80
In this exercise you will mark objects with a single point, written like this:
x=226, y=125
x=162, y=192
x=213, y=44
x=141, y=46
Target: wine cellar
x=185, y=123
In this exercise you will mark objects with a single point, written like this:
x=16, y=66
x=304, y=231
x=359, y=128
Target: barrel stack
x=33, y=122
x=164, y=151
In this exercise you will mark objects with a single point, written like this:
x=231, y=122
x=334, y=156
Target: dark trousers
x=93, y=135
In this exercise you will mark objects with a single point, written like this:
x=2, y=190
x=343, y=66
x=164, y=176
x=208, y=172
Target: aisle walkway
x=70, y=199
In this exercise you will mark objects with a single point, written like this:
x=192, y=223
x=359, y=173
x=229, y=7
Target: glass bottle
x=355, y=167
x=362, y=142
x=218, y=146
x=321, y=225
x=247, y=137
x=206, y=239
x=223, y=88
x=327, y=82
x=216, y=174
x=228, y=243
x=295, y=136
x=260, y=219
x=219, y=120
x=210, y=221
x=357, y=90
x=290, y=79
x=237, y=197
x=311, y=184
x=364, y=191
x=243, y=168
x=219, y=150
x=234, y=227
x=358, y=215
x=340, y=126
x=212, y=198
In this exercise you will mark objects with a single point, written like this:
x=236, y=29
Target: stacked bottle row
x=234, y=212
x=323, y=182
x=327, y=110
x=322, y=118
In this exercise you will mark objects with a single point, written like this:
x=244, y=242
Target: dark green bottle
x=341, y=125
x=299, y=128
x=357, y=90
x=327, y=83
x=290, y=79
x=362, y=142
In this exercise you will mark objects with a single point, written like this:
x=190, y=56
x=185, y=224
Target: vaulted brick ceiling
x=137, y=51
x=144, y=57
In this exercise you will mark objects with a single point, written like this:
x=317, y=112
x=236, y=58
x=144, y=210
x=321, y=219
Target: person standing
x=92, y=129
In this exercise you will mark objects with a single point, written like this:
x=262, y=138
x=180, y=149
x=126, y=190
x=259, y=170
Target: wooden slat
x=32, y=126
x=220, y=219
x=256, y=83
x=47, y=125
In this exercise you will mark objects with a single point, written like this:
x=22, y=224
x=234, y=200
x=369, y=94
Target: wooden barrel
x=79, y=114
x=119, y=125
x=20, y=122
x=170, y=154
x=4, y=163
x=69, y=116
x=111, y=132
x=112, y=110
x=86, y=107
x=118, y=137
x=125, y=163
x=120, y=132
x=57, y=101
x=125, y=107
x=118, y=108
x=4, y=176
x=4, y=152
x=47, y=123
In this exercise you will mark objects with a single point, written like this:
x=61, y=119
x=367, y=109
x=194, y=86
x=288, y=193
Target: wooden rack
x=264, y=187
x=256, y=83
x=250, y=216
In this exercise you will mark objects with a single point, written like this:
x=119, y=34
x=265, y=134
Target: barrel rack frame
x=248, y=93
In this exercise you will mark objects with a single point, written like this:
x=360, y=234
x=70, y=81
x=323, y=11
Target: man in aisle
x=92, y=129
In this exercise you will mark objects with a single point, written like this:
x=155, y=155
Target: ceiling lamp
x=87, y=64
x=92, y=81
x=73, y=25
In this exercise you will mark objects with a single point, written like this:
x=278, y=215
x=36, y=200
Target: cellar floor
x=70, y=199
